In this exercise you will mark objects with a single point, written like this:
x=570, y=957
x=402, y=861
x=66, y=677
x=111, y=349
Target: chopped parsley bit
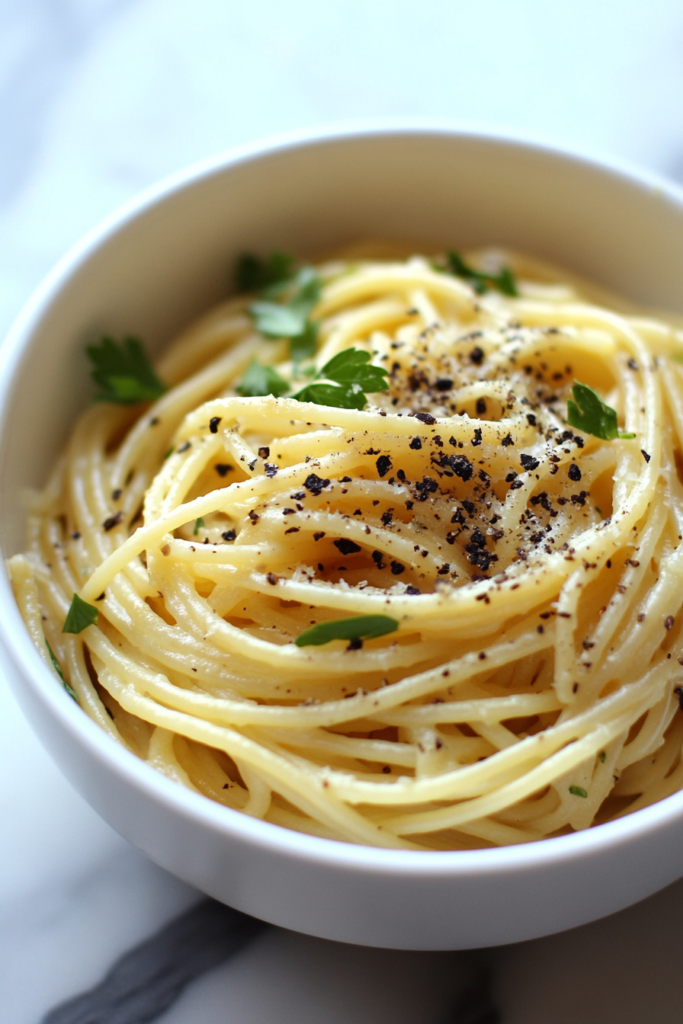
x=261, y=380
x=123, y=372
x=589, y=413
x=80, y=616
x=198, y=525
x=481, y=282
x=603, y=757
x=578, y=791
x=355, y=628
x=167, y=453
x=289, y=318
x=351, y=375
x=254, y=275
x=58, y=669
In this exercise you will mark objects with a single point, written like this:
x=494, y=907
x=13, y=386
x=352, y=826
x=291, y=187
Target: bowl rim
x=16, y=642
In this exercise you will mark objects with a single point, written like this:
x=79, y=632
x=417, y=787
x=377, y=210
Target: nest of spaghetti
x=529, y=686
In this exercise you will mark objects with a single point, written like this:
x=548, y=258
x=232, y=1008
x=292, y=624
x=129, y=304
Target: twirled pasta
x=535, y=571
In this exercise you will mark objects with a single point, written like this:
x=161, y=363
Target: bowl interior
x=158, y=264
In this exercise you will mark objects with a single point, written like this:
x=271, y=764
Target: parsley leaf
x=290, y=318
x=253, y=274
x=123, y=372
x=589, y=413
x=578, y=791
x=352, y=374
x=261, y=380
x=58, y=669
x=80, y=616
x=348, y=397
x=480, y=281
x=198, y=525
x=355, y=628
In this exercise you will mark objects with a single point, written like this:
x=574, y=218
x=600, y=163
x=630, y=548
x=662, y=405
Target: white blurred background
x=99, y=98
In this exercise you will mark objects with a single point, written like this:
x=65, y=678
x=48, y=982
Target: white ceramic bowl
x=150, y=269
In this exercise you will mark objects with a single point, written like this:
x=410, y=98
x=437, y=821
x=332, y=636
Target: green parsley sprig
x=358, y=627
x=80, y=616
x=589, y=413
x=342, y=382
x=58, y=669
x=123, y=372
x=504, y=281
x=262, y=380
x=253, y=274
x=296, y=293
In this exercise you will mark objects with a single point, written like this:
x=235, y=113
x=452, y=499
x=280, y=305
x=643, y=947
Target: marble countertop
x=99, y=98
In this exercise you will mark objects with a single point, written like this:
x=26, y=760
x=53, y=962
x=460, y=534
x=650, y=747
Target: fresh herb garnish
x=352, y=374
x=123, y=372
x=198, y=525
x=578, y=791
x=290, y=318
x=589, y=413
x=80, y=616
x=261, y=380
x=58, y=669
x=504, y=281
x=603, y=757
x=274, y=279
x=342, y=382
x=359, y=627
x=253, y=274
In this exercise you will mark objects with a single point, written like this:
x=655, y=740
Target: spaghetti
x=528, y=572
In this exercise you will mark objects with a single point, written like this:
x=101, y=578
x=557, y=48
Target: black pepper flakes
x=397, y=568
x=645, y=455
x=346, y=546
x=112, y=521
x=425, y=417
x=229, y=535
x=213, y=424
x=416, y=444
x=574, y=472
x=383, y=465
x=315, y=484
x=477, y=355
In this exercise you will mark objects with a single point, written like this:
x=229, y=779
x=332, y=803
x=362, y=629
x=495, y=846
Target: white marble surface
x=99, y=98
